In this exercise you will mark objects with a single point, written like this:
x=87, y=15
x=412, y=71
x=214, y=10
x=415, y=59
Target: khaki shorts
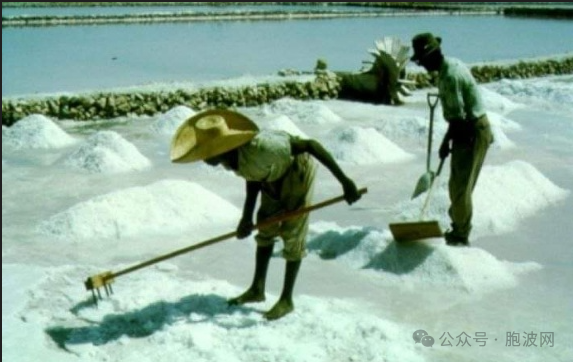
x=292, y=192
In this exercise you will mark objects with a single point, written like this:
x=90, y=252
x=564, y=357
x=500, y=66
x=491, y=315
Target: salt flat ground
x=79, y=199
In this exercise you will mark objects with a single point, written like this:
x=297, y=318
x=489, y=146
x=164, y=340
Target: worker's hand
x=444, y=149
x=463, y=132
x=351, y=194
x=244, y=228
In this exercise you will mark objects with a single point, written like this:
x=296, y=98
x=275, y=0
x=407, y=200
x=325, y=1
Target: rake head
x=95, y=282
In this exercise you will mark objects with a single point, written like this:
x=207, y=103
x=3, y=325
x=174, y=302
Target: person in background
x=469, y=133
x=278, y=167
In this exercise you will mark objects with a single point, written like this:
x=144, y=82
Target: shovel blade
x=424, y=184
x=410, y=231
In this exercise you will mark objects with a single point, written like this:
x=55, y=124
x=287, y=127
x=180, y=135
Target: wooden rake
x=105, y=279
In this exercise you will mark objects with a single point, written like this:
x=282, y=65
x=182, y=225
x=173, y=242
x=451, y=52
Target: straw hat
x=211, y=133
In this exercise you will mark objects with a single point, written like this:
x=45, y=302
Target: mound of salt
x=167, y=123
x=107, y=152
x=364, y=146
x=36, y=131
x=165, y=207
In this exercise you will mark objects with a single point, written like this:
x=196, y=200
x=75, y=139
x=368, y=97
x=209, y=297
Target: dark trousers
x=468, y=154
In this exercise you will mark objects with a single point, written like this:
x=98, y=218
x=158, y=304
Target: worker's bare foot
x=250, y=296
x=279, y=310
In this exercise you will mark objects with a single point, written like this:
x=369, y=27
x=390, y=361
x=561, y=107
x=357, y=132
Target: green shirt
x=266, y=158
x=459, y=92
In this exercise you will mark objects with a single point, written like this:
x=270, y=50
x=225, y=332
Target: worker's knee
x=294, y=249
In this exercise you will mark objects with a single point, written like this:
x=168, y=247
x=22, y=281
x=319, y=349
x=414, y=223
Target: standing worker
x=276, y=165
x=468, y=136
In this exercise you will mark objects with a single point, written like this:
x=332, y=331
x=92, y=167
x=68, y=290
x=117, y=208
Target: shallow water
x=81, y=58
x=122, y=10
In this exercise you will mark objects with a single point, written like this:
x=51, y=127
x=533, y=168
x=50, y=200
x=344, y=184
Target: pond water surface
x=81, y=58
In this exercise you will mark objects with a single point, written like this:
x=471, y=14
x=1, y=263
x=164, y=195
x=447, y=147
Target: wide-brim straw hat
x=211, y=133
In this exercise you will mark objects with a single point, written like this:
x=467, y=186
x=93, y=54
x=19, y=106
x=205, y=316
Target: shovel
x=426, y=179
x=409, y=231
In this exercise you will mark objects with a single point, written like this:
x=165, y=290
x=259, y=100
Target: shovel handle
x=433, y=181
x=432, y=104
x=107, y=277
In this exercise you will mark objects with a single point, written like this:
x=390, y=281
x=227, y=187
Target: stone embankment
x=110, y=105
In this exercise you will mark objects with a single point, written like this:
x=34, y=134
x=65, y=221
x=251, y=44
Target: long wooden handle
x=432, y=104
x=220, y=238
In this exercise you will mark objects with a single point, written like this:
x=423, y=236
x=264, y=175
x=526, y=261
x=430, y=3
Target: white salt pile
x=165, y=207
x=550, y=95
x=363, y=146
x=494, y=102
x=281, y=123
x=411, y=264
x=504, y=196
x=304, y=113
x=36, y=131
x=107, y=152
x=167, y=123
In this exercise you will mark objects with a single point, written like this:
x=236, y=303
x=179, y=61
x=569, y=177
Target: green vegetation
x=540, y=12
